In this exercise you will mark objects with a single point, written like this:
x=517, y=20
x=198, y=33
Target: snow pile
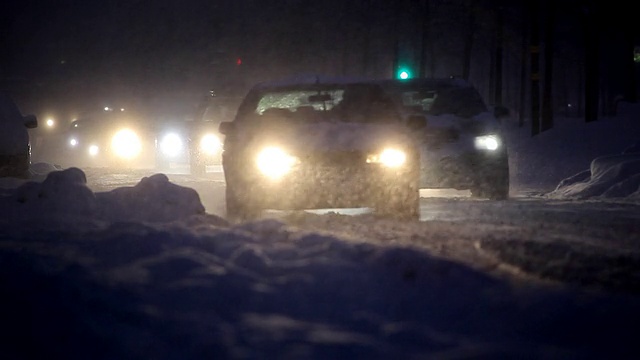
x=154, y=199
x=151, y=276
x=612, y=176
x=65, y=192
x=540, y=163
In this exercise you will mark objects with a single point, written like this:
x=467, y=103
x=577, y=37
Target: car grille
x=335, y=159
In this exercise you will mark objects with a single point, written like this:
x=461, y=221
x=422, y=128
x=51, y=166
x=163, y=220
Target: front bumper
x=462, y=171
x=319, y=187
x=15, y=165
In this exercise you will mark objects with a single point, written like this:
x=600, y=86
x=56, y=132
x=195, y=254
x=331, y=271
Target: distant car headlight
x=171, y=145
x=73, y=142
x=126, y=144
x=275, y=162
x=210, y=144
x=93, y=150
x=487, y=142
x=388, y=157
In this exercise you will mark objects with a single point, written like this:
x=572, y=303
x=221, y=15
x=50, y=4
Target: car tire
x=401, y=200
x=495, y=187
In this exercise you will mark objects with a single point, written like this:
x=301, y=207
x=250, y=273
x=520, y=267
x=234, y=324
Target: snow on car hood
x=339, y=136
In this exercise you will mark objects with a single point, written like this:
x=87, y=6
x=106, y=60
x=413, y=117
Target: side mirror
x=416, y=122
x=227, y=127
x=30, y=121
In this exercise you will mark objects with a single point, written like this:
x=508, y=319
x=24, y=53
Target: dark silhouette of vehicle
x=320, y=144
x=15, y=144
x=462, y=145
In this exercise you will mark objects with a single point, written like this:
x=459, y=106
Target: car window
x=460, y=101
x=351, y=103
x=300, y=99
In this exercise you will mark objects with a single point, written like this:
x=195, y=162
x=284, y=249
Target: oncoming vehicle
x=462, y=145
x=196, y=141
x=320, y=144
x=15, y=146
x=111, y=138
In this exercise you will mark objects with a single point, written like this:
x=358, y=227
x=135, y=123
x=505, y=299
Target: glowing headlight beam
x=126, y=144
x=93, y=150
x=275, y=162
x=487, y=142
x=389, y=158
x=171, y=145
x=210, y=144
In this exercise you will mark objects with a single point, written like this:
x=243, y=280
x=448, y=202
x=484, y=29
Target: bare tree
x=468, y=42
x=547, y=94
x=591, y=61
x=425, y=24
x=534, y=50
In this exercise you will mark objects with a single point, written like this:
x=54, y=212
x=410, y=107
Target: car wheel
x=400, y=201
x=240, y=207
x=495, y=187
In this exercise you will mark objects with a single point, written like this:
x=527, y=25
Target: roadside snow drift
x=143, y=273
x=612, y=176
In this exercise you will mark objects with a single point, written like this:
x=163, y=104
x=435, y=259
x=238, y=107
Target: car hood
x=331, y=136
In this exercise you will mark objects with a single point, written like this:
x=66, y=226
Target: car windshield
x=352, y=103
x=459, y=101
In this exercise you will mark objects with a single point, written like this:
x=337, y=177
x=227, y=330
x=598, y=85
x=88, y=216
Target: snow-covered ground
x=102, y=269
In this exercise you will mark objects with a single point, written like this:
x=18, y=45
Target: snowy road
x=593, y=244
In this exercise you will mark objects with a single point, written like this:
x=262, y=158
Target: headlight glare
x=93, y=150
x=210, y=144
x=487, y=142
x=126, y=144
x=388, y=157
x=275, y=162
x=171, y=145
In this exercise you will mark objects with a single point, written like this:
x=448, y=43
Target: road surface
x=592, y=244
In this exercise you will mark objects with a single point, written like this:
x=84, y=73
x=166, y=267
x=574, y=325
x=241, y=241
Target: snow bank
x=65, y=193
x=612, y=176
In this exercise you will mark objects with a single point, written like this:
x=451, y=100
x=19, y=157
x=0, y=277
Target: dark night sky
x=75, y=53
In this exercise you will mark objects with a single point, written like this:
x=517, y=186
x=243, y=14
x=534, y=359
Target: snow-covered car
x=111, y=138
x=462, y=145
x=320, y=144
x=15, y=145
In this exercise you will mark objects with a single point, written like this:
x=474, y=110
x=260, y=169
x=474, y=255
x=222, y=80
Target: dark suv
x=15, y=146
x=320, y=144
x=462, y=146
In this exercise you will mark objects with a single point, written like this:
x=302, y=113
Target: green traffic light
x=403, y=74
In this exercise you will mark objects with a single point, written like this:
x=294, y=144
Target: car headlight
x=73, y=142
x=487, y=142
x=171, y=145
x=388, y=157
x=210, y=144
x=275, y=162
x=126, y=144
x=93, y=150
